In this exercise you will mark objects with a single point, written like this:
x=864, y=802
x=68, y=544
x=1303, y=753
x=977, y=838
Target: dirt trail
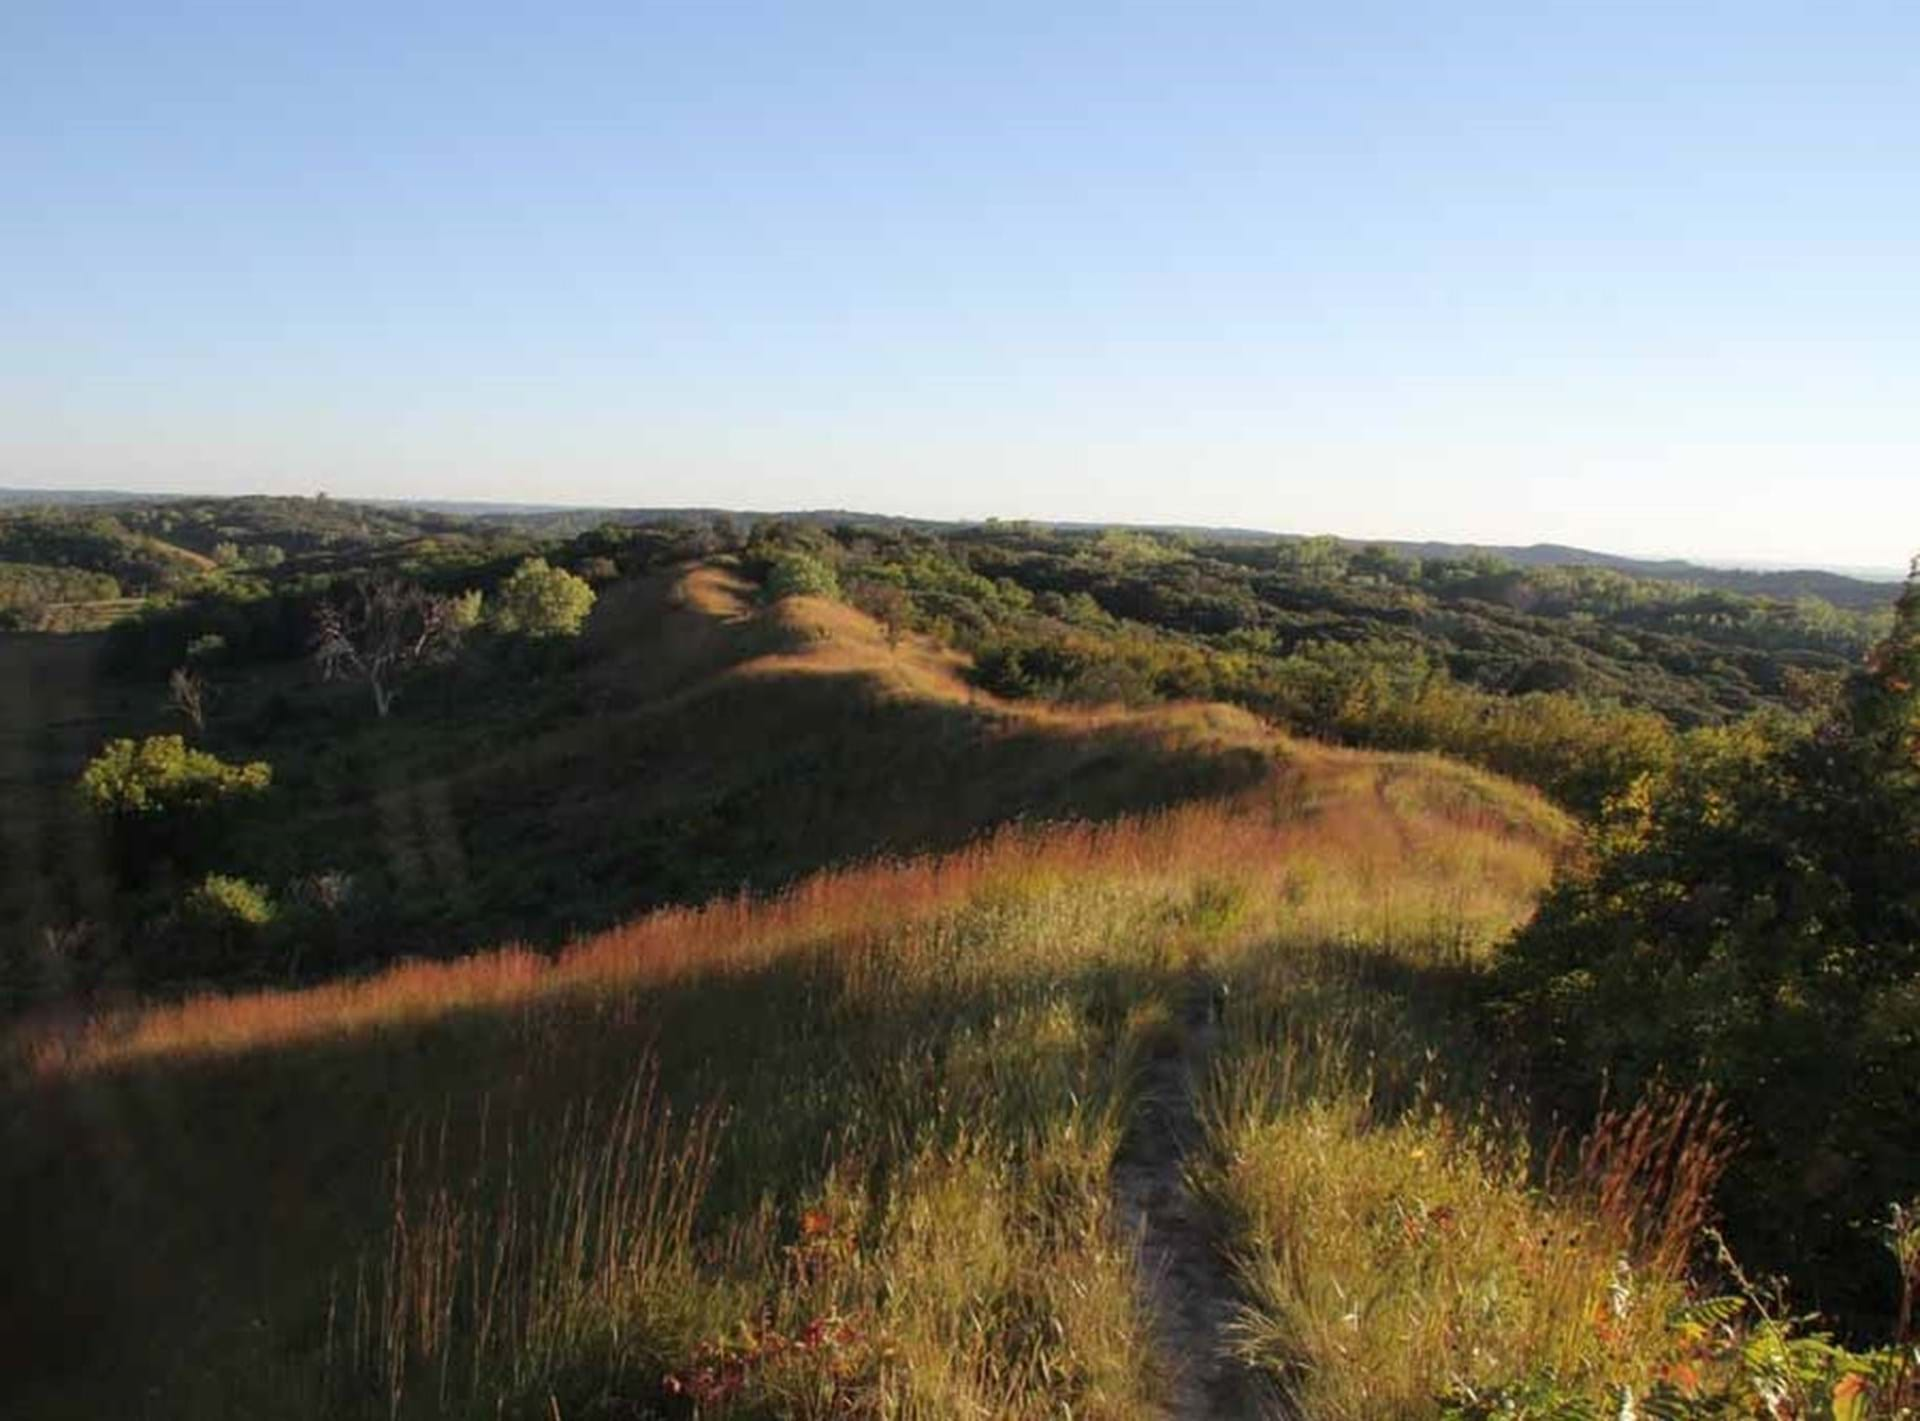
x=1189, y=1289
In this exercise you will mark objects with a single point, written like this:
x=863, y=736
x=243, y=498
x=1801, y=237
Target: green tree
x=538, y=600
x=223, y=924
x=1750, y=920
x=1320, y=558
x=160, y=775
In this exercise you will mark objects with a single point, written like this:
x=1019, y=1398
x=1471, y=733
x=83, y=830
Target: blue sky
x=1637, y=276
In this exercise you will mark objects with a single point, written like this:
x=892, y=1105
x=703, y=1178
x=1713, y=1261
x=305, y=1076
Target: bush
x=797, y=574
x=464, y=611
x=228, y=904
x=160, y=775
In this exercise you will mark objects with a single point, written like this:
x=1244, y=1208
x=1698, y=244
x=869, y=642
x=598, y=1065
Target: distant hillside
x=77, y=498
x=1854, y=593
x=385, y=520
x=1860, y=594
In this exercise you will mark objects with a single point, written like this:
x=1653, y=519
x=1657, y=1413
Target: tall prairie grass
x=1405, y=1249
x=487, y=1283
x=1330, y=837
x=1398, y=1241
x=899, y=1090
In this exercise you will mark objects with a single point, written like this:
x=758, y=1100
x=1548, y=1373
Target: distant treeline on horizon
x=1845, y=586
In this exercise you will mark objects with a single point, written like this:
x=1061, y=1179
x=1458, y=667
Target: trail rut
x=1189, y=1290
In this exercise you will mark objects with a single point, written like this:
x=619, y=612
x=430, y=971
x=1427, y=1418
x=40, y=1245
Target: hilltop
x=532, y=790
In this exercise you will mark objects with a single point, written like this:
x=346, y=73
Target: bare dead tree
x=386, y=629
x=888, y=604
x=187, y=695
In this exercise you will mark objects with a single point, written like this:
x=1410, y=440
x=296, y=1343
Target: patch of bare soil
x=1189, y=1287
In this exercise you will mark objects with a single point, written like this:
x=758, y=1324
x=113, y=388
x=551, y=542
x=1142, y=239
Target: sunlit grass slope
x=1400, y=1245
x=843, y=1151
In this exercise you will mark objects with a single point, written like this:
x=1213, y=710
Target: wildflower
x=1683, y=1376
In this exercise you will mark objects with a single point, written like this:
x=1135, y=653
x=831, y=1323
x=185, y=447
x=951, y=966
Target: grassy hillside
x=694, y=743
x=896, y=1094
x=910, y=1139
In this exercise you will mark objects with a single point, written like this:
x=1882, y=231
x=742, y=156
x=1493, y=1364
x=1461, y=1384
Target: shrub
x=228, y=904
x=887, y=603
x=797, y=574
x=160, y=775
x=464, y=611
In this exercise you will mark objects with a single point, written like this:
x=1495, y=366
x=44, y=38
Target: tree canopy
x=1751, y=920
x=539, y=600
x=793, y=573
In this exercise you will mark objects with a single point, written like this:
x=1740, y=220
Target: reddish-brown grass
x=1371, y=815
x=1650, y=1171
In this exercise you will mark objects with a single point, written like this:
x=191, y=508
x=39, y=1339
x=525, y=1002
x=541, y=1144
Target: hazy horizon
x=1867, y=572
x=1628, y=281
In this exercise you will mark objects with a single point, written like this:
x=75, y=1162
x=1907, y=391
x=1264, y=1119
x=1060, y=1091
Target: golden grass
x=959, y=1255
x=716, y=591
x=829, y=638
x=1400, y=1246
x=1328, y=814
x=832, y=638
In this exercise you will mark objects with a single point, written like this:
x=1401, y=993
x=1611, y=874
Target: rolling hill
x=872, y=1115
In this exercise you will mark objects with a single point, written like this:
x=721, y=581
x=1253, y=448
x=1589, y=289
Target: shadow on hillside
x=760, y=783
x=178, y=1230
x=541, y=794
